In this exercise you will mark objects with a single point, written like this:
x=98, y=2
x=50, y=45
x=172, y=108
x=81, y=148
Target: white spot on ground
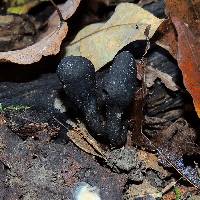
x=84, y=191
x=58, y=104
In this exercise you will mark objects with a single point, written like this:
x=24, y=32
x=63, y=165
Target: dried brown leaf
x=167, y=38
x=151, y=162
x=173, y=143
x=142, y=190
x=152, y=74
x=189, y=12
x=49, y=42
x=100, y=42
x=80, y=136
x=189, y=61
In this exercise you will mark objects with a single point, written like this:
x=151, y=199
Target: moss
x=177, y=193
x=13, y=108
x=21, y=6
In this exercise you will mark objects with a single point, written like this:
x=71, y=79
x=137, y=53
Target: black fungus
x=120, y=81
x=77, y=75
x=114, y=91
x=118, y=87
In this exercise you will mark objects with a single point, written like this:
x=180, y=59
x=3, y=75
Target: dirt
x=36, y=170
x=123, y=159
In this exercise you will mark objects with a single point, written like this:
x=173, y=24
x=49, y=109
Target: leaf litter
x=184, y=21
x=49, y=42
x=144, y=190
x=176, y=142
x=188, y=12
x=80, y=47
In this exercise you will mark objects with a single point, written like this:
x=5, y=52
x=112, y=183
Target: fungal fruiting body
x=114, y=91
x=119, y=85
x=78, y=77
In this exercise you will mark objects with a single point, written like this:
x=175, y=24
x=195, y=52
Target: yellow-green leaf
x=24, y=8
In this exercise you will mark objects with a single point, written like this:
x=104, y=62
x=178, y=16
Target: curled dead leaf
x=49, y=42
x=188, y=12
x=167, y=37
x=152, y=74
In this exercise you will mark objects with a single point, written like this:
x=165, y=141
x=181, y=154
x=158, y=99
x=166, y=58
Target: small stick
x=169, y=186
x=58, y=11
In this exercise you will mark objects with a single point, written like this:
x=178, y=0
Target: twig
x=169, y=186
x=58, y=11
